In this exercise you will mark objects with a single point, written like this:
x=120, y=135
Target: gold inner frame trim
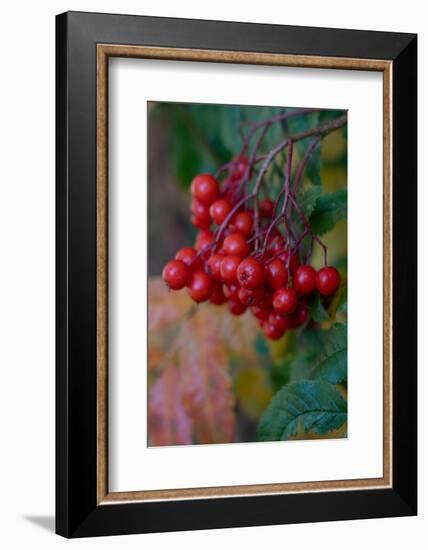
x=104, y=51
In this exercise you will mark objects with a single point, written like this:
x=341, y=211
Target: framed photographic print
x=236, y=274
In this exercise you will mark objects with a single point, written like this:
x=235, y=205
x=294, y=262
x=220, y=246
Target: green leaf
x=302, y=366
x=307, y=199
x=313, y=168
x=186, y=155
x=334, y=368
x=205, y=124
x=332, y=364
x=229, y=121
x=338, y=303
x=335, y=338
x=316, y=309
x=326, y=115
x=305, y=406
x=283, y=359
x=342, y=306
x=275, y=133
x=302, y=123
x=280, y=373
x=329, y=209
x=312, y=340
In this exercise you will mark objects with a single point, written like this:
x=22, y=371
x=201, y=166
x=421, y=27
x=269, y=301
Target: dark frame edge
x=158, y=517
x=87, y=519
x=346, y=41
x=75, y=429
x=404, y=172
x=61, y=266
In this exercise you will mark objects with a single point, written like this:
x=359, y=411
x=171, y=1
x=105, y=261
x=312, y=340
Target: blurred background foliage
x=211, y=375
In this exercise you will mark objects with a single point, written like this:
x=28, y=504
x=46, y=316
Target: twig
x=288, y=192
x=303, y=162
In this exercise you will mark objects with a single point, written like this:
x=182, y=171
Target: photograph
x=208, y=342
x=247, y=273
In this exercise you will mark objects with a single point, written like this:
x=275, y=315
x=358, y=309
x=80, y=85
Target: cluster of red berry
x=225, y=265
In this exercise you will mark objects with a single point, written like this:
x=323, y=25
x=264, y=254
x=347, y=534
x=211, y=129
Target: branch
x=302, y=164
x=289, y=188
x=322, y=130
x=256, y=189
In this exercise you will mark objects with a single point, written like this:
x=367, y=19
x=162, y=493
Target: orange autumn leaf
x=237, y=332
x=155, y=356
x=166, y=312
x=165, y=307
x=169, y=423
x=200, y=340
x=205, y=382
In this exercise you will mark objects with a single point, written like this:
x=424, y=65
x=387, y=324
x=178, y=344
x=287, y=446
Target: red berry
x=205, y=188
x=214, y=265
x=282, y=322
x=239, y=168
x=176, y=274
x=228, y=269
x=305, y=279
x=277, y=245
x=294, y=263
x=200, y=286
x=251, y=273
x=277, y=274
x=236, y=308
x=203, y=240
x=301, y=315
x=266, y=208
x=272, y=331
x=199, y=209
x=251, y=297
x=231, y=292
x=236, y=245
x=260, y=313
x=201, y=215
x=276, y=239
x=242, y=222
x=328, y=280
x=200, y=223
x=189, y=256
x=219, y=210
x=217, y=297
x=267, y=301
x=291, y=262
x=285, y=300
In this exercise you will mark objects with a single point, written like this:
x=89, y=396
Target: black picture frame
x=77, y=511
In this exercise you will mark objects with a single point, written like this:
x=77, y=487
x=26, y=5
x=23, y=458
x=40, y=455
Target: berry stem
x=304, y=161
x=282, y=117
x=289, y=188
x=307, y=225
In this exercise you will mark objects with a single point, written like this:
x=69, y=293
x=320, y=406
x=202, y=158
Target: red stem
x=289, y=188
x=302, y=164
